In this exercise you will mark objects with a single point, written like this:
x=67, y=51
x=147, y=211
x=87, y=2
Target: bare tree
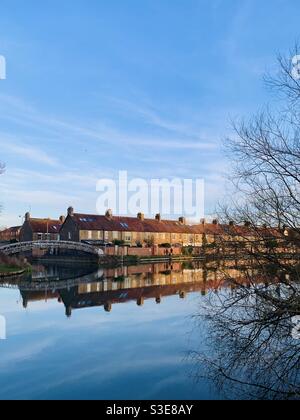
x=251, y=329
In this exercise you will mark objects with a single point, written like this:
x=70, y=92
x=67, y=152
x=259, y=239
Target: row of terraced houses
x=131, y=231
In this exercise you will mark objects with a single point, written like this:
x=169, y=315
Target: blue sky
x=145, y=86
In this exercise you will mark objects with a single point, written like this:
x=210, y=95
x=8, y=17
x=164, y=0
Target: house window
x=127, y=237
x=106, y=236
x=69, y=236
x=90, y=234
x=40, y=236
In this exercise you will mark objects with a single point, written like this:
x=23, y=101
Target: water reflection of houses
x=105, y=288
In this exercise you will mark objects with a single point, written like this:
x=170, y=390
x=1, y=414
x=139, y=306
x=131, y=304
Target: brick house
x=40, y=229
x=130, y=230
x=141, y=231
x=11, y=234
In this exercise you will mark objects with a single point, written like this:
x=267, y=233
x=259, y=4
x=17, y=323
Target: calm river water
x=84, y=333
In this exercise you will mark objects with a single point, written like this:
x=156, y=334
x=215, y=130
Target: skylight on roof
x=89, y=220
x=124, y=225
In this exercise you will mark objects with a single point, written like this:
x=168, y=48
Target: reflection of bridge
x=52, y=246
x=50, y=283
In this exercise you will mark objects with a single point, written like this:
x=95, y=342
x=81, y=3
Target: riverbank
x=7, y=271
x=115, y=261
x=159, y=259
x=118, y=260
x=13, y=266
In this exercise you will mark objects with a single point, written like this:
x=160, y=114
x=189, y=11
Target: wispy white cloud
x=183, y=136
x=153, y=116
x=53, y=172
x=28, y=152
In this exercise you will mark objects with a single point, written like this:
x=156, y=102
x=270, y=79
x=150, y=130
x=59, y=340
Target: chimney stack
x=109, y=214
x=215, y=222
x=27, y=217
x=203, y=221
x=158, y=217
x=247, y=223
x=70, y=211
x=231, y=223
x=141, y=216
x=182, y=220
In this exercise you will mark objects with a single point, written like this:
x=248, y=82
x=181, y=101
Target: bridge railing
x=64, y=245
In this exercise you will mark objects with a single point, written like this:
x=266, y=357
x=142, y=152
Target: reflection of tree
x=255, y=355
x=251, y=329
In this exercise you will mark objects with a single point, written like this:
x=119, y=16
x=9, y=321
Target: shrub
x=166, y=245
x=188, y=250
x=117, y=242
x=13, y=261
x=149, y=242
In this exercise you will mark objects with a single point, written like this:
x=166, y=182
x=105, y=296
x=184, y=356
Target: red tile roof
x=45, y=225
x=132, y=224
x=13, y=229
x=10, y=233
